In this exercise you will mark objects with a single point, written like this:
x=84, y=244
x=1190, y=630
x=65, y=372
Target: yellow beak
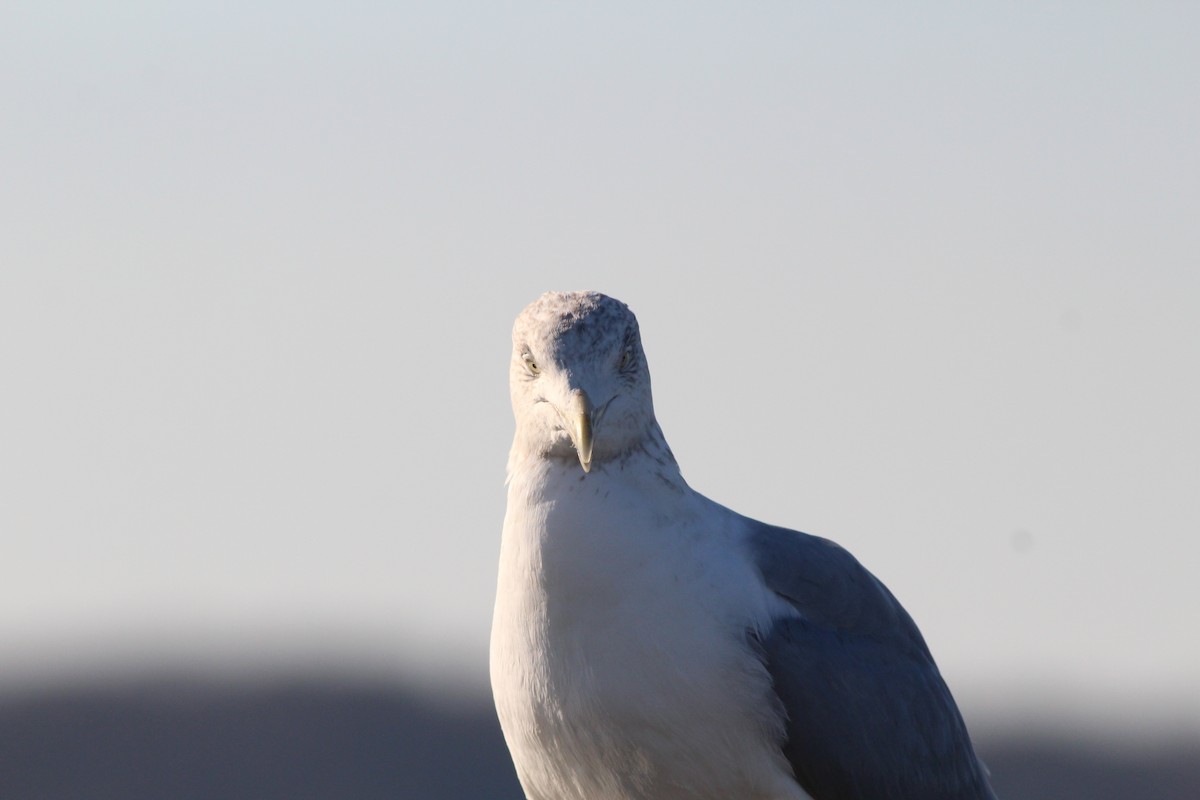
x=578, y=416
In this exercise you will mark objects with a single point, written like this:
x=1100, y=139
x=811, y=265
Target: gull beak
x=578, y=416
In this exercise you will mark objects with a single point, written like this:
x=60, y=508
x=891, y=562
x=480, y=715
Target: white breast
x=619, y=659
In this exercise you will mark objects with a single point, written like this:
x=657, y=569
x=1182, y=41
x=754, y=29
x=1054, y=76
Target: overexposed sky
x=924, y=280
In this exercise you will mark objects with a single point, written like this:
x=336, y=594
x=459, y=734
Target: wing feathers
x=868, y=715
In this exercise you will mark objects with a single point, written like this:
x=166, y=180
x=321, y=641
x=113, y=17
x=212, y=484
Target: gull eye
x=530, y=364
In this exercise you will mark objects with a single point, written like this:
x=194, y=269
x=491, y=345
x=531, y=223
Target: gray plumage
x=650, y=644
x=869, y=715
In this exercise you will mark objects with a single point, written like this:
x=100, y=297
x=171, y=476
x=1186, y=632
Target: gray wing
x=868, y=714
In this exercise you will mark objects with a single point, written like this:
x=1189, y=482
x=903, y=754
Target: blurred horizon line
x=1048, y=708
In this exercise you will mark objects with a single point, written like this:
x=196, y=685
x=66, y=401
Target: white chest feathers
x=620, y=658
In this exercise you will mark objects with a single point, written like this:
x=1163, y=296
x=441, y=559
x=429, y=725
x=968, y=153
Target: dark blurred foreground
x=357, y=741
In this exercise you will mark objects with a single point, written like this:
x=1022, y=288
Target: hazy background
x=925, y=280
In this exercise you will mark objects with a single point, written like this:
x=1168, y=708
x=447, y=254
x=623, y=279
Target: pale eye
x=530, y=364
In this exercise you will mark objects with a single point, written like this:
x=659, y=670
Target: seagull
x=650, y=644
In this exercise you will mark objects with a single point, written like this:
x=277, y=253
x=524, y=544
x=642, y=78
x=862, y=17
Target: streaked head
x=579, y=382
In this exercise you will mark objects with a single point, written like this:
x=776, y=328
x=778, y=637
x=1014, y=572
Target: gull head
x=579, y=382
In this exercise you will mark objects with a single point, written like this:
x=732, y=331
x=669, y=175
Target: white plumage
x=651, y=644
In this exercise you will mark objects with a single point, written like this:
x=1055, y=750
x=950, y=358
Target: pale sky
x=922, y=279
